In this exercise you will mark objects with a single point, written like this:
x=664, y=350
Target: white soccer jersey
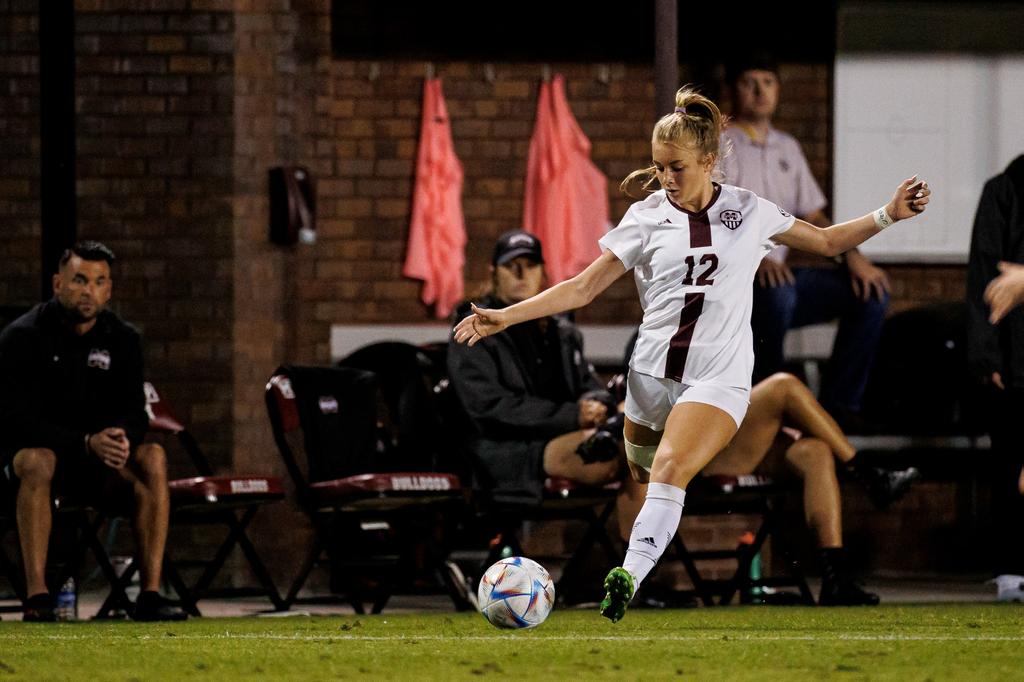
x=694, y=273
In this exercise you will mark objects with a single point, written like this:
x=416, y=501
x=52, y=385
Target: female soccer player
x=693, y=246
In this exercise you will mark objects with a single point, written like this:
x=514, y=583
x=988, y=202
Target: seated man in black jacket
x=72, y=419
x=532, y=397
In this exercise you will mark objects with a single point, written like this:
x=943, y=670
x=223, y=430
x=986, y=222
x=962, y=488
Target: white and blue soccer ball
x=516, y=593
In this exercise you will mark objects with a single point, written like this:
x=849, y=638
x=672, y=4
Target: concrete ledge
x=603, y=344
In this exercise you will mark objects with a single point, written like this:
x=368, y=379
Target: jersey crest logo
x=665, y=221
x=731, y=219
x=99, y=358
x=328, y=404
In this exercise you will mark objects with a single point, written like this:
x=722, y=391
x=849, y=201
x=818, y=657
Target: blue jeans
x=820, y=295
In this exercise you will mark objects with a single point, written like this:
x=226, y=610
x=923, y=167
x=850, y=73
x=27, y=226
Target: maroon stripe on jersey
x=679, y=346
x=700, y=230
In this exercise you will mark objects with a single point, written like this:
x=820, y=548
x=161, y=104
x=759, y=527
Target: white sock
x=654, y=528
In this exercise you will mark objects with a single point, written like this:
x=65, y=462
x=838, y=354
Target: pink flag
x=566, y=202
x=437, y=234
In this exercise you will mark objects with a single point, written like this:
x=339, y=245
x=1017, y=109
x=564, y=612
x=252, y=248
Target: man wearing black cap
x=532, y=398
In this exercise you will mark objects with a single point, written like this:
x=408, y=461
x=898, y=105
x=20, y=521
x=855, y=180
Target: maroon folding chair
x=374, y=525
x=230, y=501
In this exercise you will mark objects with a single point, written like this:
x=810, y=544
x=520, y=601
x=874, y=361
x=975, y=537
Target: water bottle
x=67, y=601
x=756, y=591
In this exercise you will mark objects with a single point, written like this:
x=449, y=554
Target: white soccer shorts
x=650, y=399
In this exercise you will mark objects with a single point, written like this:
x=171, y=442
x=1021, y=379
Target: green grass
x=889, y=642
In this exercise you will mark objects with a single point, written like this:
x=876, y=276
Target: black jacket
x=998, y=235
x=511, y=423
x=56, y=386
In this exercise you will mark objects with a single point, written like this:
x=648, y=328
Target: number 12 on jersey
x=705, y=277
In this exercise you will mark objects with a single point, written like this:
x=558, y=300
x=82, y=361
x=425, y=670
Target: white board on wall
x=954, y=119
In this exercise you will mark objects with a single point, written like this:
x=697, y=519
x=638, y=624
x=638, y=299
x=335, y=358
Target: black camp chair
x=376, y=518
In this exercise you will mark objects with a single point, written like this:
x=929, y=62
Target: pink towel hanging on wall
x=566, y=202
x=437, y=232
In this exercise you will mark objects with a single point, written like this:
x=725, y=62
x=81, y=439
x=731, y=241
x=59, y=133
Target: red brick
x=190, y=64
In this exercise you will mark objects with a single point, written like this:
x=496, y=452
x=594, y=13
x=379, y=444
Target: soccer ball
x=516, y=593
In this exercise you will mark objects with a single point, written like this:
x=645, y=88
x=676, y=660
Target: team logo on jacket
x=328, y=404
x=100, y=359
x=731, y=219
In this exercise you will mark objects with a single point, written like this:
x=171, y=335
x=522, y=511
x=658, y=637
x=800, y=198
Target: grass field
x=964, y=642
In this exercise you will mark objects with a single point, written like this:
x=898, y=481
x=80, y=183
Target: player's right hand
x=111, y=446
x=482, y=323
x=771, y=274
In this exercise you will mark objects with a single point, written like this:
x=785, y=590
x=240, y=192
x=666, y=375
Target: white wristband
x=882, y=219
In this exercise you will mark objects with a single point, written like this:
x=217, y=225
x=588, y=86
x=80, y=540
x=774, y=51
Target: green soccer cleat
x=619, y=586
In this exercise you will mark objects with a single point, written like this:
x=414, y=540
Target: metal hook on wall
x=489, y=74
x=374, y=71
x=545, y=72
x=604, y=74
x=430, y=70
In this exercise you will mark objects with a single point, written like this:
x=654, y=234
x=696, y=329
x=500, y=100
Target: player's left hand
x=910, y=198
x=866, y=279
x=482, y=323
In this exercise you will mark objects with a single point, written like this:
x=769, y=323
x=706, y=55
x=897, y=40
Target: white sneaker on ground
x=1009, y=587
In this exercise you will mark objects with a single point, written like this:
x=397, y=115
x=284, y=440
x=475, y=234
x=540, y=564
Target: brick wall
x=154, y=92
x=19, y=152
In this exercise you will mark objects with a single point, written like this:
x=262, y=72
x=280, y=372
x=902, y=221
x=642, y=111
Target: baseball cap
x=516, y=243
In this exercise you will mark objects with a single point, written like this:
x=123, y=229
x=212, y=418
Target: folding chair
x=503, y=519
x=72, y=516
x=754, y=495
x=370, y=512
x=206, y=500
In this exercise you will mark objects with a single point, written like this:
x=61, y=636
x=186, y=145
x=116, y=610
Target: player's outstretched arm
x=910, y=198
x=568, y=295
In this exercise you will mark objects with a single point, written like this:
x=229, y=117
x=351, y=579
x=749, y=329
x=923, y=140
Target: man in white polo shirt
x=794, y=290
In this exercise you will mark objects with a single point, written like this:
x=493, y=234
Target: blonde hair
x=695, y=124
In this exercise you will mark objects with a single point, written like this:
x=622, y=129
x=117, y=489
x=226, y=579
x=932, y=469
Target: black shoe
x=150, y=606
x=886, y=486
x=39, y=608
x=845, y=593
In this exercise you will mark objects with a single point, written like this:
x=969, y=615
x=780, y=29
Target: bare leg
x=694, y=434
x=812, y=460
x=35, y=468
x=148, y=475
x=560, y=459
x=783, y=397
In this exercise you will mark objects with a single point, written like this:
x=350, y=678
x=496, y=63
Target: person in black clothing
x=72, y=420
x=532, y=398
x=995, y=349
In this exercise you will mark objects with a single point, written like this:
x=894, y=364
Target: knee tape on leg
x=641, y=455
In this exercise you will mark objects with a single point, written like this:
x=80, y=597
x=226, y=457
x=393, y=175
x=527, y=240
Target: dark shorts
x=79, y=479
